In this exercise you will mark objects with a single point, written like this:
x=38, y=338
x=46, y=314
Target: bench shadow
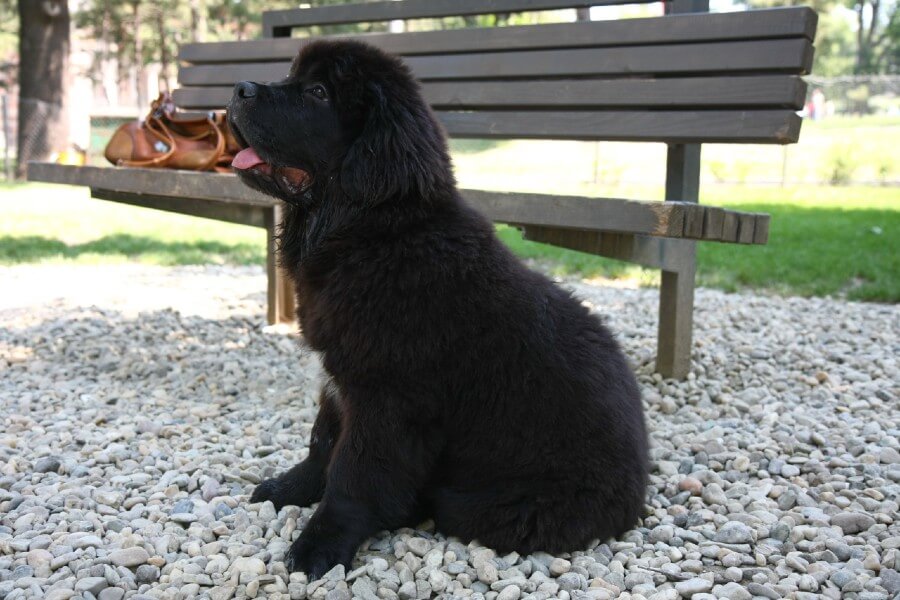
x=169, y=253
x=473, y=146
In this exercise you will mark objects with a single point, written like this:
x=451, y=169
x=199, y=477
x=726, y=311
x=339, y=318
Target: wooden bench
x=681, y=79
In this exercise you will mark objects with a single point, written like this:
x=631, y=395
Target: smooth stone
x=250, y=564
x=39, y=560
x=147, y=574
x=693, y=586
x=559, y=566
x=111, y=593
x=713, y=494
x=889, y=456
x=47, y=464
x=112, y=499
x=129, y=557
x=336, y=573
x=733, y=591
x=362, y=590
x=734, y=532
x=407, y=591
x=88, y=541
x=890, y=580
x=511, y=592
x=91, y=584
x=690, y=484
x=571, y=581
x=852, y=522
x=418, y=546
x=185, y=505
x=790, y=471
x=758, y=589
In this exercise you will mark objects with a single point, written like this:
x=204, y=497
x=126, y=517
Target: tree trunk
x=198, y=21
x=860, y=32
x=164, y=58
x=43, y=68
x=141, y=84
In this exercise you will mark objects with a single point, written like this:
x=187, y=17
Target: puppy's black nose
x=245, y=89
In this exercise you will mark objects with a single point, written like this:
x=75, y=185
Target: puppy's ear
x=400, y=152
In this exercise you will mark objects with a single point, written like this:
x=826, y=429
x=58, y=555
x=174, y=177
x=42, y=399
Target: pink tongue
x=246, y=159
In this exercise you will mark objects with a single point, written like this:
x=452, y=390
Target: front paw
x=271, y=490
x=317, y=557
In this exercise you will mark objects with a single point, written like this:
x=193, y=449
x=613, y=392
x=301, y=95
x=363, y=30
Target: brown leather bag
x=165, y=140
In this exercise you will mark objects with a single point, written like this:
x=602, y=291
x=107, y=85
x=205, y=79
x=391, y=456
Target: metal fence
x=855, y=94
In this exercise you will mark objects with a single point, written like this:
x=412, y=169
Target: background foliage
x=854, y=36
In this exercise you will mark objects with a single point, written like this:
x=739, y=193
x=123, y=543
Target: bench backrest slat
x=767, y=91
x=796, y=22
x=761, y=126
x=280, y=22
x=789, y=56
x=727, y=77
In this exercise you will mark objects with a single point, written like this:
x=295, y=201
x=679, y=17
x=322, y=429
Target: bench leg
x=676, y=315
x=280, y=289
x=676, y=292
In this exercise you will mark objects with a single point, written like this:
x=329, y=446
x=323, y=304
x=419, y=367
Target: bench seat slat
x=795, y=22
x=747, y=126
x=787, y=56
x=152, y=188
x=775, y=91
x=160, y=182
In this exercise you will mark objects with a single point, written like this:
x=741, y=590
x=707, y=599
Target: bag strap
x=220, y=143
x=164, y=135
x=157, y=127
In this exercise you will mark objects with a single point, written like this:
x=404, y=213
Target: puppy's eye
x=318, y=91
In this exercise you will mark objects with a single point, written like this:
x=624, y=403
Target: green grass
x=47, y=223
x=823, y=240
x=867, y=145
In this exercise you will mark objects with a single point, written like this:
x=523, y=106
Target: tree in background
x=43, y=63
x=872, y=48
x=877, y=36
x=9, y=41
x=9, y=25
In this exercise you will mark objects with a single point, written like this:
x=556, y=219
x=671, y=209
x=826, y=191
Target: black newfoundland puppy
x=463, y=386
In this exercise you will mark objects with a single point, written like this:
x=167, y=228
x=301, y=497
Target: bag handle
x=220, y=143
x=164, y=135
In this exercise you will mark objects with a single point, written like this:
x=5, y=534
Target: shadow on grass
x=14, y=250
x=818, y=251
x=474, y=146
x=851, y=253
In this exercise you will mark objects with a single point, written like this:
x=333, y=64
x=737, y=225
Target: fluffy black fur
x=463, y=386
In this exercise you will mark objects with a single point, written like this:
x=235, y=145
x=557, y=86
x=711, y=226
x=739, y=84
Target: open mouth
x=295, y=180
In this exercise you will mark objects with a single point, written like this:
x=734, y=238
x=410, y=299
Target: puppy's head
x=348, y=116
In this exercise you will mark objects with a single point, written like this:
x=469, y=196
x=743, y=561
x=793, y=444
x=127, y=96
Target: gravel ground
x=141, y=405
